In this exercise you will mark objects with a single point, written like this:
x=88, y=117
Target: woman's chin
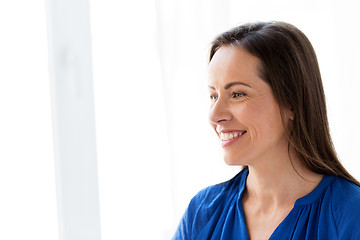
x=233, y=162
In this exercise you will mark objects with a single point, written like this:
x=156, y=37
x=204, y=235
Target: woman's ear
x=291, y=114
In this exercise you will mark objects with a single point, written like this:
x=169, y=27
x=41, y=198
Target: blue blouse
x=330, y=211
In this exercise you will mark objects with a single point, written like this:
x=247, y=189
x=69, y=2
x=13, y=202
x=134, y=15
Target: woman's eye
x=213, y=98
x=238, y=95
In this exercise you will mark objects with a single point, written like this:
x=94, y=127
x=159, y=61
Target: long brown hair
x=289, y=65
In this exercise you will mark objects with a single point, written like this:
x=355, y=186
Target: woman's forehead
x=232, y=63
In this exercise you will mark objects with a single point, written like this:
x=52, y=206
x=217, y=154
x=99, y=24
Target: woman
x=268, y=110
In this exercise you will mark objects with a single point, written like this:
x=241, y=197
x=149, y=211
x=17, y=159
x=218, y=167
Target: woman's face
x=243, y=110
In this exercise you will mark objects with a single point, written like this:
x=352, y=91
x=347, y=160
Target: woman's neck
x=279, y=182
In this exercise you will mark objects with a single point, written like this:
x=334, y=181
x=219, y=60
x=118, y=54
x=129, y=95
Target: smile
x=231, y=135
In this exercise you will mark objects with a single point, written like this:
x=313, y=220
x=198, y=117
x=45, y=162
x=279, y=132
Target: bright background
x=155, y=148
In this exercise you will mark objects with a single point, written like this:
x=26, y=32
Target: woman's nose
x=219, y=112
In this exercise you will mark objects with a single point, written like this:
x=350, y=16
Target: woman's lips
x=229, y=137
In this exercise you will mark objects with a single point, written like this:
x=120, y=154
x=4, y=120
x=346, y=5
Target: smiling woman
x=243, y=104
x=268, y=110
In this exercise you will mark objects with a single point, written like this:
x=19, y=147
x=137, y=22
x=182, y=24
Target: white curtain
x=27, y=177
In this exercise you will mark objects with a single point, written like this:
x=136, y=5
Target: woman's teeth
x=228, y=136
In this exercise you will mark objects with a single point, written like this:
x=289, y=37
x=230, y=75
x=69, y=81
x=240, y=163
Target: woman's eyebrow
x=229, y=85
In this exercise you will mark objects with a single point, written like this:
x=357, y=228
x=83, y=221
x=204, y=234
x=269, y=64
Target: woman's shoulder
x=345, y=197
x=345, y=193
x=207, y=206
